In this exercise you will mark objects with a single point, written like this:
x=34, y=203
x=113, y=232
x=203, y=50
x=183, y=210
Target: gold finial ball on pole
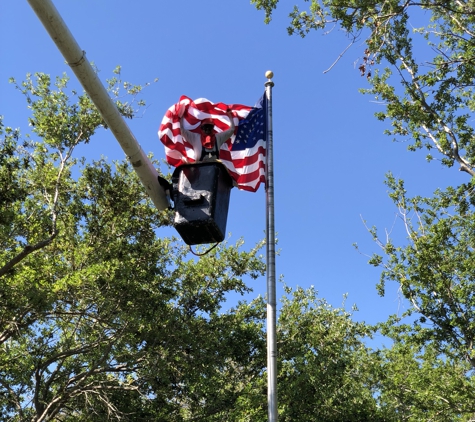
x=269, y=74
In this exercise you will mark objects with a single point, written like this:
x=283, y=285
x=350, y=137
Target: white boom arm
x=76, y=59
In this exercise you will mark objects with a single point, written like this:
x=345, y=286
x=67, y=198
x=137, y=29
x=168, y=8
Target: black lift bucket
x=201, y=194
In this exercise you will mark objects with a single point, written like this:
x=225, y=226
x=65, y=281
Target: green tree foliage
x=435, y=271
x=428, y=100
x=421, y=384
x=326, y=373
x=419, y=60
x=100, y=317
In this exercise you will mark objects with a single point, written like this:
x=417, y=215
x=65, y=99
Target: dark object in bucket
x=201, y=194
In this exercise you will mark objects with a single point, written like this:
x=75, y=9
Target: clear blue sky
x=330, y=151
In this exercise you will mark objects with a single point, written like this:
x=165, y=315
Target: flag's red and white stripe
x=246, y=166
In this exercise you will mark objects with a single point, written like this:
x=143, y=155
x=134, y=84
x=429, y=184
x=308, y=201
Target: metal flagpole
x=270, y=262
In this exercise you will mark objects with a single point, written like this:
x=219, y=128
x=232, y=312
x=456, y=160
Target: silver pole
x=76, y=59
x=270, y=261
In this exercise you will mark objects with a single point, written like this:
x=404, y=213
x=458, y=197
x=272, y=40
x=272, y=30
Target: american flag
x=243, y=154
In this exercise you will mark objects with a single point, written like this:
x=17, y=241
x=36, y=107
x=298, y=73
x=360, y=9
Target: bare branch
x=341, y=55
